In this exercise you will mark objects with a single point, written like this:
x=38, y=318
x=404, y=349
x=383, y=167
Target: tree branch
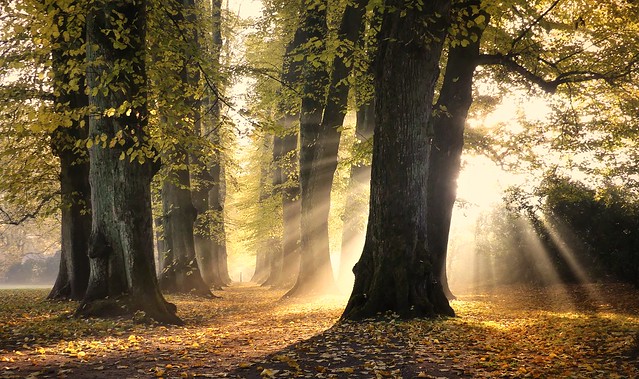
x=535, y=22
x=550, y=86
x=7, y=219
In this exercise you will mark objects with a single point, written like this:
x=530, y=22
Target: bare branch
x=535, y=22
x=8, y=219
x=550, y=86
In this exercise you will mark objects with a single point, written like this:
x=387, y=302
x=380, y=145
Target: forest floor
x=559, y=332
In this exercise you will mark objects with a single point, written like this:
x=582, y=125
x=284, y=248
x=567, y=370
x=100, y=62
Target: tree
x=320, y=122
x=397, y=271
x=122, y=277
x=180, y=114
x=70, y=104
x=315, y=264
x=517, y=51
x=44, y=163
x=276, y=106
x=449, y=120
x=207, y=174
x=285, y=155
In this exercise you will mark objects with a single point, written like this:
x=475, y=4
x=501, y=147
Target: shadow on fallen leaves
x=578, y=331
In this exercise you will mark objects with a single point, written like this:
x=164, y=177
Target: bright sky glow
x=246, y=8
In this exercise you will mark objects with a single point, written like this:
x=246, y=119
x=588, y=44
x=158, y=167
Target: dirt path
x=248, y=322
x=251, y=333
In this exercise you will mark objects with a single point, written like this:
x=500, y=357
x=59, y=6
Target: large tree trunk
x=73, y=275
x=397, y=269
x=180, y=269
x=356, y=208
x=122, y=278
x=449, y=120
x=319, y=148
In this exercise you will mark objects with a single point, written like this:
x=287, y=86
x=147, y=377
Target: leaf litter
x=589, y=331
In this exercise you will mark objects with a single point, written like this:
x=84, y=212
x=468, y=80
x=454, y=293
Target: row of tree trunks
x=449, y=120
x=122, y=276
x=320, y=124
x=396, y=272
x=286, y=160
x=313, y=266
x=214, y=225
x=180, y=269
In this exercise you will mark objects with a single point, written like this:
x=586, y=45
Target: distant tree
x=324, y=106
x=208, y=181
x=179, y=117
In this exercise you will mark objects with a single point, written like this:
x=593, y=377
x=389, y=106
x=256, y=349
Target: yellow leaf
x=269, y=373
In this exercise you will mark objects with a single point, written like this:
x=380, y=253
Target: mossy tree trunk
x=122, y=278
x=396, y=272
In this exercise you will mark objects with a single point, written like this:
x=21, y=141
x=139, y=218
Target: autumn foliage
x=570, y=332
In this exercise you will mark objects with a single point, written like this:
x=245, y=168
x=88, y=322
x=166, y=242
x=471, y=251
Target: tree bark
x=180, y=269
x=449, y=120
x=396, y=272
x=73, y=275
x=122, y=278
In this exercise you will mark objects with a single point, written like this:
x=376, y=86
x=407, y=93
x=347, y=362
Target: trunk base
x=140, y=311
